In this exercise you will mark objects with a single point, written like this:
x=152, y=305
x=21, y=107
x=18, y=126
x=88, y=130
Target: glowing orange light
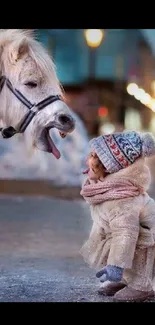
x=102, y=111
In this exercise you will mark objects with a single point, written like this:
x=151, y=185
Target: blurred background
x=109, y=80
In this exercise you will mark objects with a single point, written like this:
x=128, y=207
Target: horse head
x=31, y=99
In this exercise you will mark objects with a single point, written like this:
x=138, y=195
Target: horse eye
x=31, y=84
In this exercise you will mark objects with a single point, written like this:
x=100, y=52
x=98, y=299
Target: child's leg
x=140, y=277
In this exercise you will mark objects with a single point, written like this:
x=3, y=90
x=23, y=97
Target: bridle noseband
x=33, y=109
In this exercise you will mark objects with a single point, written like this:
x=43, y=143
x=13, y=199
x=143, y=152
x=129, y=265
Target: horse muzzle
x=64, y=123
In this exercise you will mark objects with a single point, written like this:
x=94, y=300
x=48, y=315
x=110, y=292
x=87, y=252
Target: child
x=122, y=239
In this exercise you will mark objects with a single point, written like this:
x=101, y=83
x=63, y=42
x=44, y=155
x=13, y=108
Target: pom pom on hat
x=148, y=144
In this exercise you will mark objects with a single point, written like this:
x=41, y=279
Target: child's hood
x=138, y=173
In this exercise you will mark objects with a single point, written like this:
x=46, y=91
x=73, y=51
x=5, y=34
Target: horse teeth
x=62, y=134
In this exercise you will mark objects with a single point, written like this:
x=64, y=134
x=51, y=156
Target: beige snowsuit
x=123, y=232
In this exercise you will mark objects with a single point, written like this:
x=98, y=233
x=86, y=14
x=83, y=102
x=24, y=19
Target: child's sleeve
x=124, y=224
x=92, y=248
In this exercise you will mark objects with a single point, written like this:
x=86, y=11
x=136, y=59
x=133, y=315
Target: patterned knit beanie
x=120, y=150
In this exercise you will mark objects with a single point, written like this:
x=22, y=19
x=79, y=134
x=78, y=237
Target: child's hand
x=110, y=272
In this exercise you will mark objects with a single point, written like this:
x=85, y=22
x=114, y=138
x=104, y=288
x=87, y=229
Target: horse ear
x=18, y=50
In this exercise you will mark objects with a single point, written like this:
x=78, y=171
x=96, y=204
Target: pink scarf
x=95, y=193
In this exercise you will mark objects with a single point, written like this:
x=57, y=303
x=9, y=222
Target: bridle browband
x=33, y=109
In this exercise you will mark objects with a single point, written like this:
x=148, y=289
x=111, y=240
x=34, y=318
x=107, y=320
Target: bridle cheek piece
x=33, y=109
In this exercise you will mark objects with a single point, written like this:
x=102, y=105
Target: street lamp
x=93, y=38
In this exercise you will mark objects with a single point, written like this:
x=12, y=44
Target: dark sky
x=150, y=33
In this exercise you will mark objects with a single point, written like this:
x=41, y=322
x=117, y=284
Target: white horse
x=30, y=93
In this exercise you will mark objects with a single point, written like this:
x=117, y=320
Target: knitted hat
x=119, y=150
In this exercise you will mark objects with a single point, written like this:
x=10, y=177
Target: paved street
x=39, y=244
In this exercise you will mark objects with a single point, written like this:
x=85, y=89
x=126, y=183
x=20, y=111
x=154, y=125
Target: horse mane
x=36, y=50
x=12, y=34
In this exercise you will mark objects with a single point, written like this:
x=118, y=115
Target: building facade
x=123, y=57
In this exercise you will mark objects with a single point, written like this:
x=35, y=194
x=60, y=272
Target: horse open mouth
x=47, y=144
x=64, y=124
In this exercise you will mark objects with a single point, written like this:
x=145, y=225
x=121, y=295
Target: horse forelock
x=45, y=63
x=7, y=35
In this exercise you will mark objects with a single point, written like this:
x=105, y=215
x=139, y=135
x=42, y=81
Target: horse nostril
x=64, y=119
